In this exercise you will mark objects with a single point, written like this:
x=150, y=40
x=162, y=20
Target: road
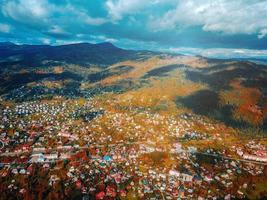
x=138, y=143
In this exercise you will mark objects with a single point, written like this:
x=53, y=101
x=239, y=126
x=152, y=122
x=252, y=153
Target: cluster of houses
x=193, y=135
x=253, y=151
x=106, y=154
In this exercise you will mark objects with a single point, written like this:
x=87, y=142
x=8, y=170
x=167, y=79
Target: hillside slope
x=233, y=92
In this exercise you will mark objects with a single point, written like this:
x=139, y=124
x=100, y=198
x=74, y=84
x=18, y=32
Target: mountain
x=231, y=91
x=6, y=44
x=262, y=61
x=81, y=53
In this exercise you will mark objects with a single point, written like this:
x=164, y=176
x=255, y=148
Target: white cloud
x=65, y=42
x=263, y=33
x=117, y=9
x=5, y=28
x=230, y=17
x=57, y=30
x=103, y=38
x=45, y=41
x=26, y=10
x=44, y=12
x=94, y=21
x=83, y=16
x=220, y=52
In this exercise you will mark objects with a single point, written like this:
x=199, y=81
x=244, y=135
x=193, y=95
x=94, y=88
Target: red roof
x=123, y=193
x=78, y=184
x=111, y=191
x=100, y=195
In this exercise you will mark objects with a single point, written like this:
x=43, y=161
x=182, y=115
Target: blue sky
x=217, y=28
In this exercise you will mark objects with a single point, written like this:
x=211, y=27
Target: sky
x=214, y=28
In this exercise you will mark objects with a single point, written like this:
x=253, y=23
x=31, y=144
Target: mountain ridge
x=78, y=53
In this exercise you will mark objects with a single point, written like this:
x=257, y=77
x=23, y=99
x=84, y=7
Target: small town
x=81, y=148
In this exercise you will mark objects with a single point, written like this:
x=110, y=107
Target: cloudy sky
x=206, y=27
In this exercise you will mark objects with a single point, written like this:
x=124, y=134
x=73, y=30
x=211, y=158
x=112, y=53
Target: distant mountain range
x=80, y=53
x=261, y=61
